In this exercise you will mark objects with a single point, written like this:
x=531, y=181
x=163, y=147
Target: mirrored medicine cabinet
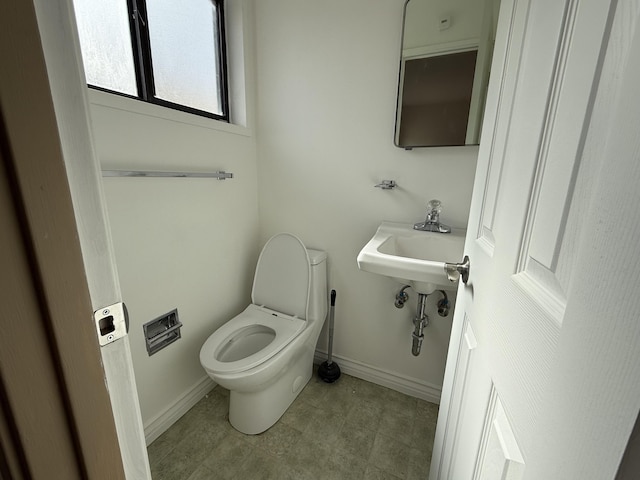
x=447, y=47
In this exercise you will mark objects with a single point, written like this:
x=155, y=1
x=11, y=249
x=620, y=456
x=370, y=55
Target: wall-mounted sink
x=412, y=257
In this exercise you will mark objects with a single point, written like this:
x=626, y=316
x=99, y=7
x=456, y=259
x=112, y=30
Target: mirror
x=447, y=46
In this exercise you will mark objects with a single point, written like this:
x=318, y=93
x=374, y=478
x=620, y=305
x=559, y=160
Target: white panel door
x=543, y=365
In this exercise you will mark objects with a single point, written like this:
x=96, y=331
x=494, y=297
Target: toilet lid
x=282, y=277
x=286, y=328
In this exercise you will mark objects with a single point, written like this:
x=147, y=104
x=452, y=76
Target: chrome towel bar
x=144, y=173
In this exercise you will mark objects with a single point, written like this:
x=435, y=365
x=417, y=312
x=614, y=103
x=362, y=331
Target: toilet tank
x=318, y=300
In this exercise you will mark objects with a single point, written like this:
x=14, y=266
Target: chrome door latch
x=112, y=323
x=457, y=270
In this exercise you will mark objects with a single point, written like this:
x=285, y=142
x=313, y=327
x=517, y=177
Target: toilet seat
x=285, y=328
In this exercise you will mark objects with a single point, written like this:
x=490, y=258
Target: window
x=167, y=52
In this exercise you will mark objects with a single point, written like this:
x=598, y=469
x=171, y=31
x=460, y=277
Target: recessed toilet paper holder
x=162, y=331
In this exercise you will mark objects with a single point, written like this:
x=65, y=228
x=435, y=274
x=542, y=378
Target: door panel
x=30, y=426
x=500, y=91
x=499, y=455
x=472, y=390
x=558, y=160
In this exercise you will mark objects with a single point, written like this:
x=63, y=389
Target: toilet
x=264, y=355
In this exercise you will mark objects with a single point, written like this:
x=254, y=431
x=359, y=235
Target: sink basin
x=413, y=257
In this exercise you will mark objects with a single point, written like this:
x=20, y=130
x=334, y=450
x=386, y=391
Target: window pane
x=184, y=52
x=105, y=41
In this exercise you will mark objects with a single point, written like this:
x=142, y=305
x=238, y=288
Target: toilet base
x=255, y=412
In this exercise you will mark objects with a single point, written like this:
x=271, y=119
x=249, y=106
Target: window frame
x=143, y=63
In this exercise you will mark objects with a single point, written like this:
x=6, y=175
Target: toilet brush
x=329, y=371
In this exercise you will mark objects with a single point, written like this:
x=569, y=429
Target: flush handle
x=456, y=270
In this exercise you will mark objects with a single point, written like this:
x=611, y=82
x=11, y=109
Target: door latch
x=112, y=323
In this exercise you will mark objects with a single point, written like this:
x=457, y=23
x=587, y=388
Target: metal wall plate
x=111, y=322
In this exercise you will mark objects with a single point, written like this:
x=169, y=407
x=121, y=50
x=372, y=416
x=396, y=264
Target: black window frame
x=143, y=63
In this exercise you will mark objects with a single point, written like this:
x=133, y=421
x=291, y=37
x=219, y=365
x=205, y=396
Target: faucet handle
x=435, y=206
x=432, y=222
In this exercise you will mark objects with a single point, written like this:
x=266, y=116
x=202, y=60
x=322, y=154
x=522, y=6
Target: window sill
x=131, y=105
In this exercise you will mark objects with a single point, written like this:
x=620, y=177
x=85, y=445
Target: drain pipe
x=420, y=321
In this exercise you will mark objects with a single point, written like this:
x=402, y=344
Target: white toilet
x=264, y=355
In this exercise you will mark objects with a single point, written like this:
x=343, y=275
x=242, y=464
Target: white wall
x=327, y=81
x=185, y=243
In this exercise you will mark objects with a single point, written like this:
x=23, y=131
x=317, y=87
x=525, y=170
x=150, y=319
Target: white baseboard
x=395, y=381
x=161, y=423
x=409, y=386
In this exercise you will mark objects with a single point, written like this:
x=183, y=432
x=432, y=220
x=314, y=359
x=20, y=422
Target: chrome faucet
x=432, y=222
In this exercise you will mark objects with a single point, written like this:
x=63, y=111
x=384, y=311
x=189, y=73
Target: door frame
x=56, y=411
x=41, y=36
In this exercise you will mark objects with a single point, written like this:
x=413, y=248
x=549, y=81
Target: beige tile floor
x=351, y=429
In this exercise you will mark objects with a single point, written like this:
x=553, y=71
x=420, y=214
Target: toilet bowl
x=264, y=355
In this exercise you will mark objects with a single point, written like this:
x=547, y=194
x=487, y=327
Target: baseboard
x=161, y=423
x=395, y=381
x=409, y=386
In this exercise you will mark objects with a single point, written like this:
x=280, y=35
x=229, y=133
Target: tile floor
x=351, y=429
